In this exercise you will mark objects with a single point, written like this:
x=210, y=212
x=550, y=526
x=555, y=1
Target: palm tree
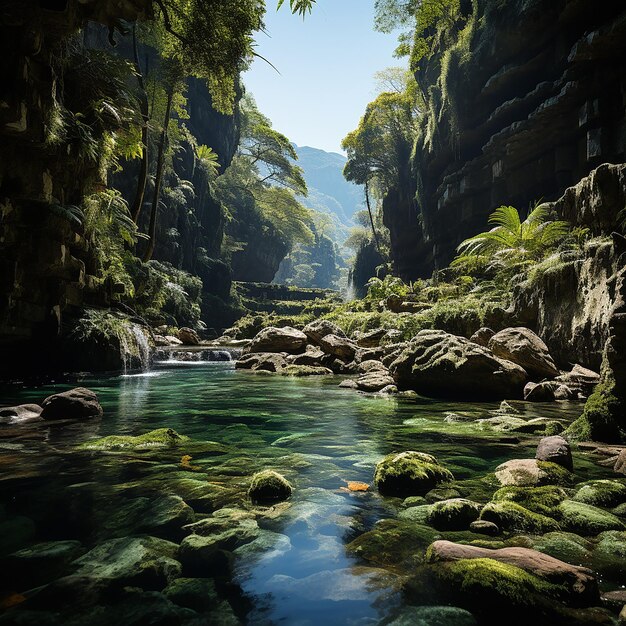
x=512, y=243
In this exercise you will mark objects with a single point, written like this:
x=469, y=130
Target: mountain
x=329, y=191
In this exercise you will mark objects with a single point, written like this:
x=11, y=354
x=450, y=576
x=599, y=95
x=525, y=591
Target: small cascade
x=134, y=349
x=179, y=355
x=143, y=346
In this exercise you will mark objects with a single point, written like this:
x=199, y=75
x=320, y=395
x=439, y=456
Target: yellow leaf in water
x=354, y=485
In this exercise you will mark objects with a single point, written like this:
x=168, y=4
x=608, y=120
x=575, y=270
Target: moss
x=567, y=547
x=511, y=516
x=484, y=578
x=269, y=486
x=609, y=556
x=600, y=418
x=410, y=473
x=454, y=514
x=392, y=541
x=587, y=520
x=304, y=370
x=159, y=438
x=557, y=475
x=603, y=493
x=543, y=500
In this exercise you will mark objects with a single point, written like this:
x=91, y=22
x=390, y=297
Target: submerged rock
x=556, y=449
x=522, y=346
x=78, y=403
x=437, y=363
x=159, y=438
x=433, y=616
x=305, y=370
x=410, y=473
x=269, y=486
x=20, y=413
x=262, y=361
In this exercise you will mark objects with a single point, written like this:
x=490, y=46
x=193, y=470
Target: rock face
x=580, y=581
x=522, y=346
x=555, y=449
x=409, y=473
x=78, y=403
x=272, y=339
x=437, y=363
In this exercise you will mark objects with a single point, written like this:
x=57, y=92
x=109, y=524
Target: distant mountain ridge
x=329, y=191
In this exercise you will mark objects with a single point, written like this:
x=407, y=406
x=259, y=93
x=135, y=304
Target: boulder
x=269, y=486
x=587, y=520
x=522, y=346
x=541, y=392
x=262, y=361
x=188, y=336
x=78, y=403
x=511, y=516
x=159, y=438
x=482, y=336
x=375, y=380
x=273, y=339
x=339, y=347
x=365, y=367
x=201, y=556
x=318, y=329
x=531, y=473
x=370, y=339
x=483, y=527
x=437, y=363
x=20, y=413
x=555, y=449
x=454, y=514
x=580, y=582
x=173, y=341
x=410, y=473
x=580, y=380
x=604, y=493
x=544, y=500
x=348, y=384
x=312, y=356
x=620, y=463
x=305, y=370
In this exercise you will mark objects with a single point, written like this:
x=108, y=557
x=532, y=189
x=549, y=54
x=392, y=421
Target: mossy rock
x=609, y=556
x=532, y=473
x=418, y=514
x=433, y=616
x=269, y=486
x=305, y=370
x=512, y=516
x=602, y=493
x=410, y=473
x=587, y=520
x=453, y=514
x=159, y=438
x=544, y=500
x=567, y=547
x=442, y=493
x=391, y=542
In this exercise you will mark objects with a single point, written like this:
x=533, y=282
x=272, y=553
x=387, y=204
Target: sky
x=326, y=62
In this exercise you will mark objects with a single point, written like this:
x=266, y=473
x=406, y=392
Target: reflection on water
x=316, y=434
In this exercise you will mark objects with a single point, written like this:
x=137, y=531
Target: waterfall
x=135, y=349
x=143, y=347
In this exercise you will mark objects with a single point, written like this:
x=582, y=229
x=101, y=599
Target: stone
x=482, y=336
x=437, y=363
x=433, y=616
x=620, y=463
x=269, y=486
x=188, y=337
x=339, y=347
x=555, y=449
x=580, y=582
x=544, y=500
x=312, y=356
x=541, y=392
x=365, y=367
x=511, y=516
x=584, y=519
x=374, y=381
x=305, y=370
x=159, y=438
x=198, y=594
x=483, y=527
x=348, y=384
x=602, y=493
x=173, y=341
x=522, y=346
x=410, y=473
x=78, y=403
x=531, y=472
x=202, y=556
x=273, y=339
x=453, y=514
x=318, y=329
x=441, y=493
x=20, y=413
x=370, y=339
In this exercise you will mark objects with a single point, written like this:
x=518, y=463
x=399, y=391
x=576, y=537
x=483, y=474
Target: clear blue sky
x=327, y=62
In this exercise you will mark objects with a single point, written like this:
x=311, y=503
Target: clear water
x=318, y=435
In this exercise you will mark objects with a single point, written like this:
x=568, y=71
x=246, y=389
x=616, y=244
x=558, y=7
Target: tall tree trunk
x=369, y=210
x=145, y=116
x=158, y=178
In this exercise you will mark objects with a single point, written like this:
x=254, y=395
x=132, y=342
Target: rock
x=339, y=347
x=567, y=547
x=483, y=527
x=454, y=514
x=312, y=356
x=410, y=473
x=433, y=616
x=374, y=381
x=482, y=336
x=161, y=341
x=173, y=341
x=544, y=500
x=580, y=582
x=531, y=473
x=388, y=390
x=78, y=403
x=437, y=363
x=145, y=562
x=159, y=438
x=202, y=556
x=188, y=337
x=20, y=413
x=318, y=329
x=348, y=384
x=580, y=380
x=522, y=346
x=365, y=367
x=262, y=361
x=370, y=339
x=620, y=463
x=587, y=520
x=508, y=409
x=305, y=370
x=602, y=493
x=565, y=392
x=269, y=486
x=416, y=514
x=441, y=493
x=198, y=594
x=511, y=516
x=555, y=449
x=273, y=339
x=541, y=392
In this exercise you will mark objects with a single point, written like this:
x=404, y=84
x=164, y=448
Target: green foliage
x=378, y=289
x=209, y=159
x=299, y=6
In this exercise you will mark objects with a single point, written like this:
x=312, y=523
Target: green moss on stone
x=567, y=547
x=511, y=516
x=159, y=438
x=269, y=486
x=544, y=500
x=410, y=473
x=587, y=520
x=557, y=474
x=454, y=514
x=603, y=493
